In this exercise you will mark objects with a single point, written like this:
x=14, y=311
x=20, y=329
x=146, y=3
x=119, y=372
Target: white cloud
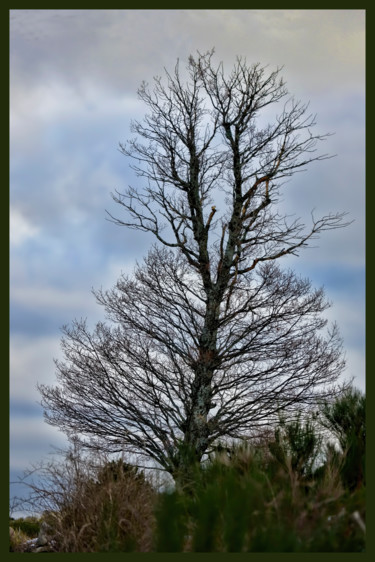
x=31, y=362
x=20, y=228
x=31, y=440
x=356, y=367
x=350, y=318
x=35, y=119
x=49, y=297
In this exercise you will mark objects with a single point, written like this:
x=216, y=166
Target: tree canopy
x=209, y=338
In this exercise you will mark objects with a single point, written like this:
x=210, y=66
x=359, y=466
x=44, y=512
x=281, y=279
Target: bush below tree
x=289, y=491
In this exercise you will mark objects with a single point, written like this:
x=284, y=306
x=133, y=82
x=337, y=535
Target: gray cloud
x=121, y=47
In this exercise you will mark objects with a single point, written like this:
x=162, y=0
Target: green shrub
x=30, y=526
x=346, y=419
x=265, y=499
x=296, y=446
x=228, y=495
x=171, y=522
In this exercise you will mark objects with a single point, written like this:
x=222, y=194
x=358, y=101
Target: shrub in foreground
x=345, y=418
x=112, y=513
x=266, y=499
x=93, y=505
x=267, y=496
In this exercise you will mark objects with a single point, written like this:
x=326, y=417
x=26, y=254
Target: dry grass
x=114, y=514
x=92, y=504
x=18, y=540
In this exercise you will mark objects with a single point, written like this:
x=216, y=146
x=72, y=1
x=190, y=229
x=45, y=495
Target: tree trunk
x=196, y=431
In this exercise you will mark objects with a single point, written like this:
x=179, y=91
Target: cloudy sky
x=73, y=79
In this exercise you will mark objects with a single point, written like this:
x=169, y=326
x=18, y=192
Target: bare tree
x=210, y=337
